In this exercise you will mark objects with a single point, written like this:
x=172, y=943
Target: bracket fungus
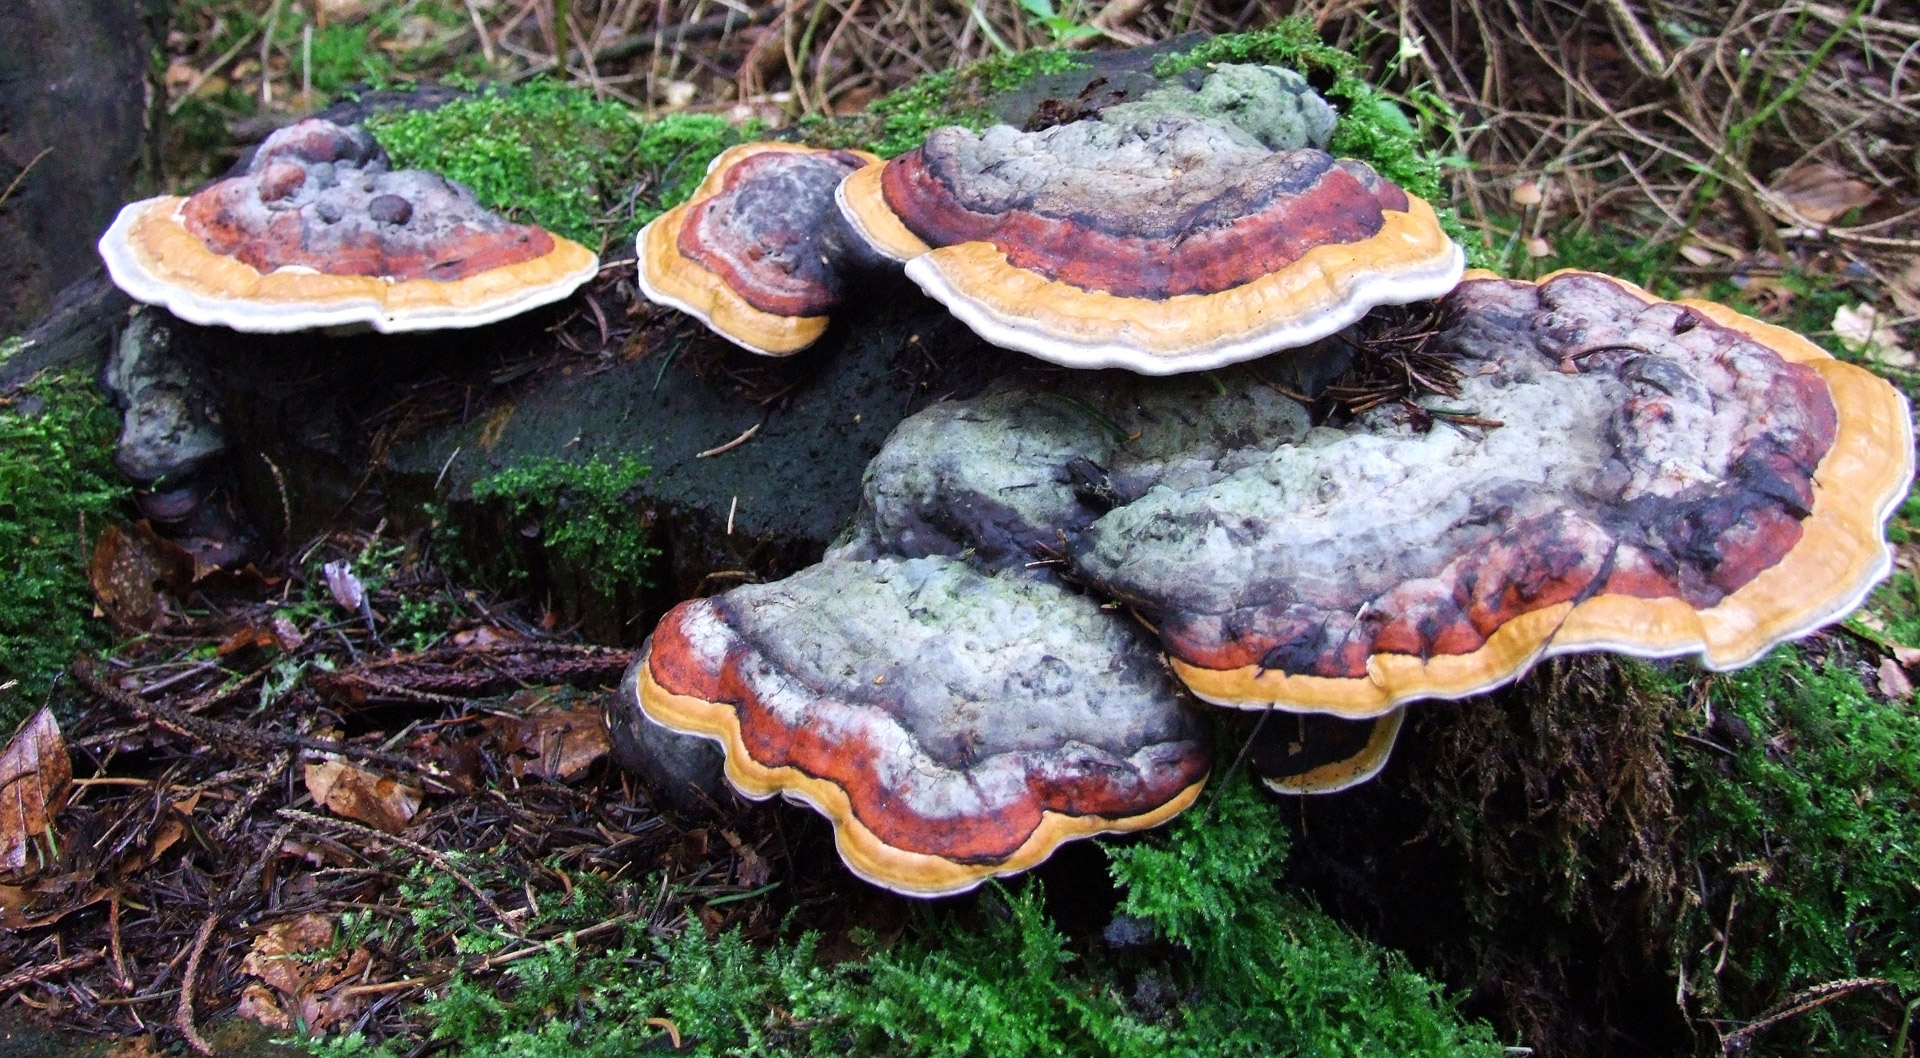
x=1666, y=479
x=1148, y=239
x=1629, y=474
x=320, y=232
x=754, y=253
x=953, y=724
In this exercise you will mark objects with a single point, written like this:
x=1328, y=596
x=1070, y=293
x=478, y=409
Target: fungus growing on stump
x=1156, y=241
x=1666, y=479
x=319, y=232
x=1610, y=472
x=754, y=253
x=953, y=724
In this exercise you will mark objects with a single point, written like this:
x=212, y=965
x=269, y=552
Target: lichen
x=1373, y=128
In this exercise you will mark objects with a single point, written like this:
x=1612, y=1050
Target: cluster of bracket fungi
x=975, y=674
x=1007, y=650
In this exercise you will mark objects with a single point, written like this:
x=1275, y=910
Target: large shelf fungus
x=1666, y=479
x=319, y=232
x=953, y=724
x=1610, y=472
x=754, y=253
x=1147, y=238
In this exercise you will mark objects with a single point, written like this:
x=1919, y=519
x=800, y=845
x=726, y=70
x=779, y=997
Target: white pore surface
x=1364, y=290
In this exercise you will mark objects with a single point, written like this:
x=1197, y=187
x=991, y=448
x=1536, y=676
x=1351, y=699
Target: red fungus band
x=953, y=724
x=1231, y=222
x=765, y=232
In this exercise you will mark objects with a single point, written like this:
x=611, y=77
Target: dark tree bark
x=74, y=116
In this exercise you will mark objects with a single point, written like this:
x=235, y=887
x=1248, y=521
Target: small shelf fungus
x=953, y=724
x=755, y=253
x=319, y=232
x=1665, y=479
x=1147, y=238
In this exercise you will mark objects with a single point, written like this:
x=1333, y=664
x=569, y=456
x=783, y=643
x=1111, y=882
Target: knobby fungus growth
x=320, y=232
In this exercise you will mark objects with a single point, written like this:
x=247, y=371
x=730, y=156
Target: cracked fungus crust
x=755, y=253
x=953, y=724
x=319, y=231
x=1663, y=483
x=1158, y=242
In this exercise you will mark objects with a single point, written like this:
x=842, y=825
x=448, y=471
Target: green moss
x=1244, y=970
x=900, y=121
x=56, y=477
x=584, y=517
x=554, y=155
x=1806, y=831
x=1372, y=127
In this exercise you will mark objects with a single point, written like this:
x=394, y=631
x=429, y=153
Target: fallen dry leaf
x=1906, y=656
x=484, y=637
x=288, y=958
x=1905, y=289
x=1893, y=681
x=275, y=956
x=257, y=1003
x=1863, y=330
x=559, y=744
x=1821, y=191
x=35, y=778
x=130, y=569
x=361, y=795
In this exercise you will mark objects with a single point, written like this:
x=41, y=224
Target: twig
x=1738, y=1041
x=730, y=445
x=22, y=175
x=21, y=978
x=433, y=856
x=183, y=1011
x=217, y=733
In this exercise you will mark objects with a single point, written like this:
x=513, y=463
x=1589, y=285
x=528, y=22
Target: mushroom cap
x=953, y=725
x=1670, y=478
x=318, y=232
x=752, y=253
x=1160, y=243
x=1309, y=753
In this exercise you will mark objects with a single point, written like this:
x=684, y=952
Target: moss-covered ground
x=58, y=490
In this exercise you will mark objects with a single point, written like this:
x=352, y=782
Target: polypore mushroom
x=319, y=232
x=753, y=254
x=1665, y=479
x=954, y=725
x=1157, y=241
x=1615, y=472
x=1303, y=753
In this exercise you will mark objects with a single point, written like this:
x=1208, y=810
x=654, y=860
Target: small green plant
x=1063, y=26
x=555, y=155
x=585, y=519
x=58, y=490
